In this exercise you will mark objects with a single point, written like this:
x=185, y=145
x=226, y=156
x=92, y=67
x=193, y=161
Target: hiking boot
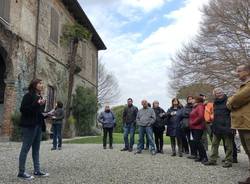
x=124, y=149
x=247, y=181
x=235, y=160
x=227, y=165
x=192, y=157
x=41, y=174
x=210, y=163
x=25, y=176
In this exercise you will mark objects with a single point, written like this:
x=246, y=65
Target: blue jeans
x=129, y=129
x=31, y=138
x=57, y=135
x=149, y=133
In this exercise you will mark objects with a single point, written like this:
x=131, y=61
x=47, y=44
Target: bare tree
x=222, y=44
x=108, y=87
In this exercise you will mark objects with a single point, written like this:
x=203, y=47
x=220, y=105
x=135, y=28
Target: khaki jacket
x=239, y=104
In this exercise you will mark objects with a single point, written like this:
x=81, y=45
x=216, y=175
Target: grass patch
x=117, y=139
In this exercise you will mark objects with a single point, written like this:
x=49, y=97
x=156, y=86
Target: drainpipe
x=37, y=36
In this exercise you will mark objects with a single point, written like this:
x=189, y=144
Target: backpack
x=209, y=113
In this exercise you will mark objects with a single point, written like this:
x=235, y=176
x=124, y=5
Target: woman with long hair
x=32, y=124
x=171, y=121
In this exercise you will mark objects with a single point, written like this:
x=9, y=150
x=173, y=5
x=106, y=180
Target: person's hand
x=41, y=101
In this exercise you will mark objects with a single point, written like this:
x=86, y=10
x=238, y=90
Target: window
x=5, y=10
x=54, y=26
x=51, y=98
x=84, y=54
x=93, y=66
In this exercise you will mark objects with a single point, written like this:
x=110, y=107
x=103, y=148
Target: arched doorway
x=2, y=83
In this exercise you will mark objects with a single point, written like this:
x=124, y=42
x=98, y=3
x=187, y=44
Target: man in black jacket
x=129, y=123
x=221, y=129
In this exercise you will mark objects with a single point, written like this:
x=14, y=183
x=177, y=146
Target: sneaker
x=161, y=152
x=41, y=174
x=25, y=176
x=227, y=165
x=104, y=147
x=153, y=152
x=138, y=152
x=110, y=147
x=59, y=148
x=173, y=154
x=209, y=163
x=130, y=149
x=180, y=155
x=198, y=160
x=52, y=149
x=247, y=181
x=124, y=149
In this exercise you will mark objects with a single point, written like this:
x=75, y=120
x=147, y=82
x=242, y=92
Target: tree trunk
x=68, y=132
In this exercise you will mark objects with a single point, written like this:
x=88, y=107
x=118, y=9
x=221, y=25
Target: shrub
x=84, y=110
x=118, y=112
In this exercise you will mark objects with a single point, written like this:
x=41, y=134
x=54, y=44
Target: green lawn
x=117, y=139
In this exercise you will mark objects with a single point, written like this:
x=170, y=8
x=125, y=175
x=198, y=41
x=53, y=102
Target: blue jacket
x=107, y=119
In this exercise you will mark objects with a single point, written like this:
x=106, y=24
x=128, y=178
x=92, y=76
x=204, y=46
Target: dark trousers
x=173, y=144
x=57, y=135
x=31, y=138
x=105, y=132
x=184, y=137
x=197, y=137
x=191, y=143
x=158, y=133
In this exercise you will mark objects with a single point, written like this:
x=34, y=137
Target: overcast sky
x=141, y=36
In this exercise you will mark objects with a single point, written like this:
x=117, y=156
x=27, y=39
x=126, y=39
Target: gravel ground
x=91, y=164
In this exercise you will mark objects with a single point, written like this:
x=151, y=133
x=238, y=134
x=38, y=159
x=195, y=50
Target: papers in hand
x=50, y=113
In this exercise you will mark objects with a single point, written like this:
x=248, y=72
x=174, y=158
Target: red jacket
x=196, y=117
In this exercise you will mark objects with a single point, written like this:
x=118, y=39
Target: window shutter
x=5, y=10
x=54, y=27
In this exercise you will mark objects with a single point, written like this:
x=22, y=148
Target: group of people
x=188, y=126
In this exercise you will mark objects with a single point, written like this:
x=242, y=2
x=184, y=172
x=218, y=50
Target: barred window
x=50, y=98
x=93, y=66
x=5, y=10
x=54, y=27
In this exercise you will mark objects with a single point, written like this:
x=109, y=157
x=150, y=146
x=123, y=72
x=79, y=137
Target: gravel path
x=78, y=164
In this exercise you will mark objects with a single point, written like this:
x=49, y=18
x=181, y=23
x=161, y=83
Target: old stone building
x=30, y=46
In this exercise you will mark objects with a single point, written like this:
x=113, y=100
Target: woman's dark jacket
x=159, y=123
x=31, y=111
x=222, y=120
x=183, y=118
x=59, y=115
x=171, y=121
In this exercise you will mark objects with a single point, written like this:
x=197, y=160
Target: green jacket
x=239, y=104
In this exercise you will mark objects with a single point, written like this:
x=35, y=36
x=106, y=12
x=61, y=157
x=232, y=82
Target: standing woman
x=171, y=120
x=57, y=119
x=158, y=126
x=107, y=119
x=32, y=124
x=197, y=126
